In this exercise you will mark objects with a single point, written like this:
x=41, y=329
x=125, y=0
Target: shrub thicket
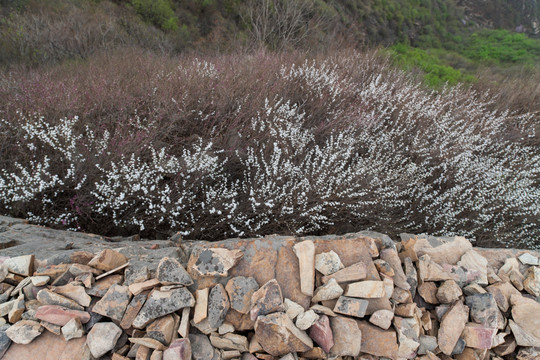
x=257, y=144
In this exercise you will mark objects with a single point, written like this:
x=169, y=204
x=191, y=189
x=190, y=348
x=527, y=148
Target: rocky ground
x=358, y=296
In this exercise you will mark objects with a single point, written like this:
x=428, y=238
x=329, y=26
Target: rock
x=183, y=328
x=443, y=250
x=161, y=303
x=412, y=275
x=132, y=310
x=218, y=306
x=382, y=318
x=329, y=291
x=351, y=306
x=20, y=265
x=100, y=287
x=328, y=263
x=216, y=261
x=478, y=336
x=201, y=305
x=17, y=310
x=305, y=251
x=383, y=267
x=321, y=333
x=102, y=338
x=378, y=342
x=59, y=315
x=114, y=302
x=201, y=347
x=5, y=341
x=40, y=280
x=278, y=336
x=451, y=327
x=87, y=279
x=292, y=309
x=240, y=290
x=523, y=338
x=180, y=349
x=428, y=292
x=391, y=256
x=170, y=272
x=320, y=309
x=73, y=329
x=162, y=329
x=143, y=353
x=532, y=281
x=147, y=342
x=107, y=260
x=484, y=310
x=47, y=297
x=472, y=260
x=306, y=319
x=74, y=292
x=135, y=274
x=449, y=292
x=427, y=344
x=347, y=337
x=268, y=299
x=508, y=347
x=529, y=259
x=79, y=269
x=407, y=327
x=528, y=354
x=474, y=289
x=53, y=328
x=239, y=321
x=139, y=287
x=230, y=342
x=366, y=289
x=24, y=331
x=315, y=353
x=225, y=328
x=522, y=314
x=49, y=347
x=502, y=291
x=429, y=270
x=354, y=272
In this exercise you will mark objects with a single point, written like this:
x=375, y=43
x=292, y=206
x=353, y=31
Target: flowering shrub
x=279, y=145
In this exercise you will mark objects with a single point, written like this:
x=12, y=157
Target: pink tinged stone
x=59, y=315
x=321, y=333
x=180, y=349
x=478, y=336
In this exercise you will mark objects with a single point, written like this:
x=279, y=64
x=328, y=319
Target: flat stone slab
x=48, y=347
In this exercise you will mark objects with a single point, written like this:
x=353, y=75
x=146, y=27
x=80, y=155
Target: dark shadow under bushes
x=253, y=144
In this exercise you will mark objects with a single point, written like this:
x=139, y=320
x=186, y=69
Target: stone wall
x=357, y=296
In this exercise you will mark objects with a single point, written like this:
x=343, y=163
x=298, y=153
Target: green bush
x=502, y=47
x=157, y=12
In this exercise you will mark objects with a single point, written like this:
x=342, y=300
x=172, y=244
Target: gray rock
x=218, y=306
x=114, y=303
x=161, y=303
x=102, y=338
x=201, y=348
x=484, y=310
x=73, y=329
x=5, y=341
x=240, y=290
x=170, y=272
x=24, y=331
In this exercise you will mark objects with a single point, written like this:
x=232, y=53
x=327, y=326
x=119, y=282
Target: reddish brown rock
x=347, y=337
x=502, y=291
x=321, y=333
x=108, y=259
x=132, y=310
x=478, y=336
x=448, y=292
x=351, y=273
x=452, y=325
x=74, y=292
x=59, y=315
x=201, y=305
x=278, y=335
x=378, y=342
x=428, y=292
x=137, y=288
x=391, y=256
x=526, y=314
x=162, y=329
x=442, y=250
